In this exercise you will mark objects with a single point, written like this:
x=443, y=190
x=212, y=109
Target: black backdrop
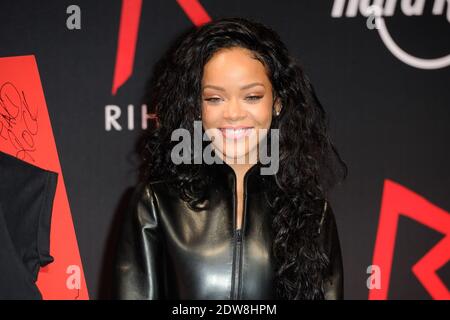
x=389, y=119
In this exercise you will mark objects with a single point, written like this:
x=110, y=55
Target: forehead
x=234, y=66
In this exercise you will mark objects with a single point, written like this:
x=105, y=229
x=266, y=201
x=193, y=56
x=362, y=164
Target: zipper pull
x=238, y=235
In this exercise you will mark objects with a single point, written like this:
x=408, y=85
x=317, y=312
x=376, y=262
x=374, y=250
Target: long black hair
x=309, y=163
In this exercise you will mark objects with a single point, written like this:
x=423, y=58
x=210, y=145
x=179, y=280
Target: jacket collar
x=254, y=181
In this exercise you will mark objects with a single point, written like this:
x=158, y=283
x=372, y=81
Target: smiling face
x=237, y=101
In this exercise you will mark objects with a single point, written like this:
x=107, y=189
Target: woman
x=226, y=230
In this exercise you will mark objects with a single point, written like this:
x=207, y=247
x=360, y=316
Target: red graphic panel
x=26, y=133
x=128, y=34
x=398, y=200
x=195, y=11
x=126, y=45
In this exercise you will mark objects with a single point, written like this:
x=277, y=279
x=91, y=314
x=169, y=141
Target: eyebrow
x=247, y=86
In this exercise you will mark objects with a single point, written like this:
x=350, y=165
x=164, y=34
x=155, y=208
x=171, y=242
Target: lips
x=236, y=133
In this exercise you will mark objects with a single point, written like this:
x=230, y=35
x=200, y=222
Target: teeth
x=235, y=131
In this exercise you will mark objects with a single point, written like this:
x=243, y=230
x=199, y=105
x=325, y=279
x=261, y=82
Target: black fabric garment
x=169, y=251
x=26, y=201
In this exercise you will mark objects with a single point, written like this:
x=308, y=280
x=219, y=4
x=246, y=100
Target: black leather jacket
x=168, y=251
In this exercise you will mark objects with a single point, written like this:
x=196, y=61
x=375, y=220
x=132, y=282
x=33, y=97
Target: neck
x=240, y=169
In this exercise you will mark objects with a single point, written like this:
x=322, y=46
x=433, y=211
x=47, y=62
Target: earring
x=277, y=112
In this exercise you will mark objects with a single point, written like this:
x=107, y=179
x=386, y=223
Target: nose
x=234, y=111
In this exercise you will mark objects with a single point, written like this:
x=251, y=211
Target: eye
x=213, y=100
x=254, y=98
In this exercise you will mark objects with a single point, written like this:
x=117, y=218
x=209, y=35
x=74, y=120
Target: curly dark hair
x=309, y=165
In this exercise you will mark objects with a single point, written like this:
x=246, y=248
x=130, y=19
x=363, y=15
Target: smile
x=236, y=133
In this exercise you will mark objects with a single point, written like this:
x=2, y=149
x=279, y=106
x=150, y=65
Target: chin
x=240, y=156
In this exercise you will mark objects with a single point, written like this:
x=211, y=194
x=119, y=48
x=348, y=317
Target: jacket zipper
x=237, y=263
x=237, y=255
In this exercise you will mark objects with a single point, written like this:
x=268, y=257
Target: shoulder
x=148, y=184
x=328, y=230
x=149, y=191
x=329, y=241
x=327, y=221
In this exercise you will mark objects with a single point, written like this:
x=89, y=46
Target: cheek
x=262, y=116
x=209, y=117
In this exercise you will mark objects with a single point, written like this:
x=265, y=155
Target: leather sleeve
x=137, y=269
x=334, y=277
